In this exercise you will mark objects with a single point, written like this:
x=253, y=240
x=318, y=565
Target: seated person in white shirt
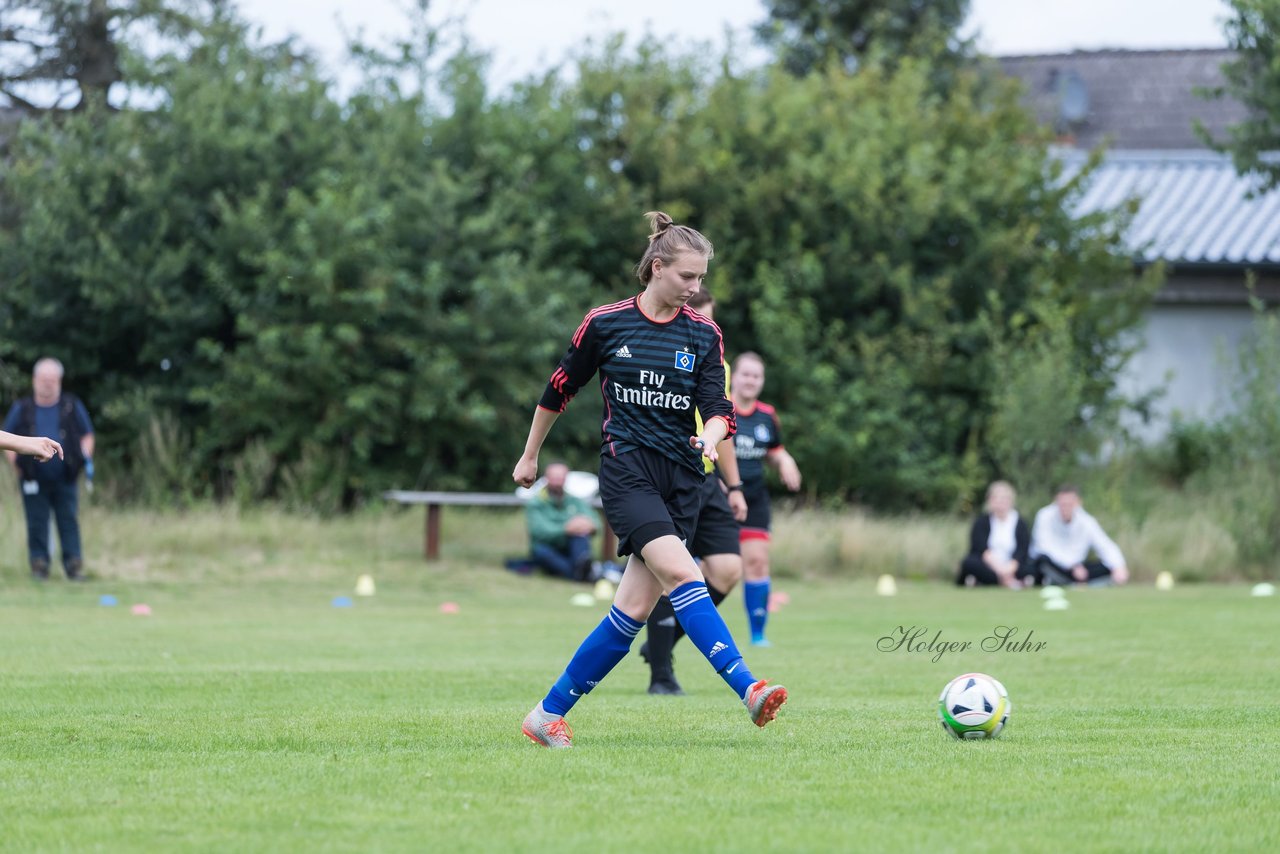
x=1061, y=539
x=998, y=542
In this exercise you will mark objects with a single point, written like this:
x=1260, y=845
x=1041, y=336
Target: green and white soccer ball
x=974, y=706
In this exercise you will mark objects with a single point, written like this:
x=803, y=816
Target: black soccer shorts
x=646, y=495
x=717, y=530
x=759, y=514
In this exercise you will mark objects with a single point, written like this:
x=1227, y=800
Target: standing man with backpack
x=51, y=486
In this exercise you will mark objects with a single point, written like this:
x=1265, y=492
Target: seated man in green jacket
x=560, y=528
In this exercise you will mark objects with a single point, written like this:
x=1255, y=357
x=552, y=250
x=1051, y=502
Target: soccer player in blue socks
x=715, y=543
x=758, y=442
x=657, y=361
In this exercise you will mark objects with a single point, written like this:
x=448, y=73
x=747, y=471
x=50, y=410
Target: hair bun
x=667, y=241
x=659, y=222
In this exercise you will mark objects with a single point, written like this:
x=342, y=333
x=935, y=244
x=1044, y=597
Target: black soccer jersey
x=758, y=434
x=652, y=376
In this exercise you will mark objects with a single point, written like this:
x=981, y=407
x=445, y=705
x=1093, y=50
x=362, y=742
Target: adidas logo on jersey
x=623, y=352
x=716, y=649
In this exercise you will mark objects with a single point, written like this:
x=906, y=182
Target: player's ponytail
x=659, y=222
x=666, y=241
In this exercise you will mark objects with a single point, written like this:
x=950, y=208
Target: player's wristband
x=737, y=487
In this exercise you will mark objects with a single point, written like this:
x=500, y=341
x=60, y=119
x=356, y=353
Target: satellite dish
x=1073, y=98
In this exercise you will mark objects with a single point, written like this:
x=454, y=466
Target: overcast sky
x=525, y=35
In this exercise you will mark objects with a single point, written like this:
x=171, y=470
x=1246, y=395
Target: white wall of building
x=1189, y=354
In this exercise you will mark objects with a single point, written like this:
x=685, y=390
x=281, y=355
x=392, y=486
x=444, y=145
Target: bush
x=392, y=277
x=1244, y=480
x=1190, y=449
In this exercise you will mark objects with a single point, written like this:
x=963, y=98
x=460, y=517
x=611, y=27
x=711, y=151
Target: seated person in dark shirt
x=998, y=542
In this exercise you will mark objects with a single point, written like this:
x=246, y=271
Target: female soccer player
x=657, y=360
x=758, y=441
x=715, y=544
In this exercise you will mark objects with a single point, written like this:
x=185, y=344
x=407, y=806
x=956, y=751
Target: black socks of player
x=661, y=638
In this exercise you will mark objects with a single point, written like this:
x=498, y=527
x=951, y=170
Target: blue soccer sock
x=755, y=595
x=706, y=629
x=607, y=644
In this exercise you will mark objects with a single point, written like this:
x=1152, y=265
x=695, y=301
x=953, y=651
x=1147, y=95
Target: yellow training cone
x=603, y=590
x=1164, y=581
x=364, y=586
x=886, y=586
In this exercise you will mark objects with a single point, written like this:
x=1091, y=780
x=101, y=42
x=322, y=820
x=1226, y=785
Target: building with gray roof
x=1212, y=229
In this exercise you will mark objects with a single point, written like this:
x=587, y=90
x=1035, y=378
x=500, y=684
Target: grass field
x=247, y=714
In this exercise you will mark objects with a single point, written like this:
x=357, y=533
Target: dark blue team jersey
x=758, y=434
x=652, y=377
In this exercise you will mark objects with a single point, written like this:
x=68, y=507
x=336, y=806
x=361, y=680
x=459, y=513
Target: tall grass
x=207, y=541
x=855, y=543
x=1157, y=527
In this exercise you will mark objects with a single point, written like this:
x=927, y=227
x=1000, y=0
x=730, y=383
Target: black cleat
x=75, y=570
x=668, y=686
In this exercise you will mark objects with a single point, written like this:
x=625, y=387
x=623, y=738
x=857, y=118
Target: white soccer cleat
x=763, y=701
x=546, y=729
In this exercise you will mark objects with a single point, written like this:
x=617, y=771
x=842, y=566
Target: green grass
x=246, y=714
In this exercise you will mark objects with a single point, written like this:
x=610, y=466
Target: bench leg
x=432, y=544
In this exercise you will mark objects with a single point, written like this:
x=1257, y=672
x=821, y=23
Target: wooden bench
x=436, y=500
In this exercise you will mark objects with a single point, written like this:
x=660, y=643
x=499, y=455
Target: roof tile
x=1193, y=206
x=1136, y=99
